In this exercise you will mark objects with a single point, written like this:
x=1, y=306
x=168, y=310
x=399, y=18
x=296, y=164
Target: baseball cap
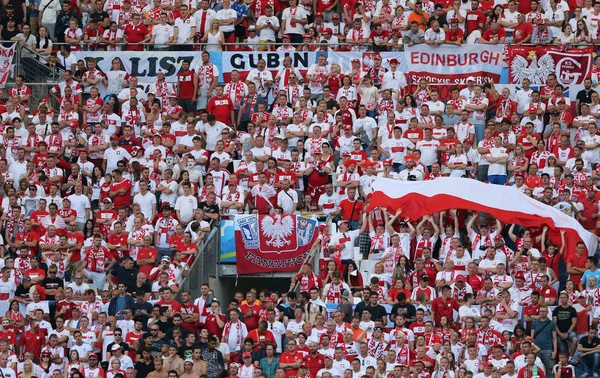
x=460, y=277
x=246, y=354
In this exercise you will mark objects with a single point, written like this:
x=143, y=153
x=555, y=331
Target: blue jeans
x=591, y=363
x=479, y=127
x=563, y=345
x=398, y=167
x=497, y=179
x=164, y=252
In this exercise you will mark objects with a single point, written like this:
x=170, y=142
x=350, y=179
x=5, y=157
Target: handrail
x=314, y=251
x=246, y=44
x=214, y=232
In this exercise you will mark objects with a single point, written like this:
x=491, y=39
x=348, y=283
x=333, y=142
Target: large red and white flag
x=506, y=203
x=272, y=243
x=6, y=58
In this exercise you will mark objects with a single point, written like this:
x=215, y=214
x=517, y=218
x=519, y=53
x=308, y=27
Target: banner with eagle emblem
x=272, y=243
x=571, y=65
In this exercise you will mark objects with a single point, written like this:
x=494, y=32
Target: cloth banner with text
x=145, y=64
x=570, y=64
x=6, y=58
x=506, y=203
x=244, y=62
x=439, y=65
x=272, y=243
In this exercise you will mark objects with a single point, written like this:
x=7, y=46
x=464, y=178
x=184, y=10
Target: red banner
x=570, y=64
x=272, y=243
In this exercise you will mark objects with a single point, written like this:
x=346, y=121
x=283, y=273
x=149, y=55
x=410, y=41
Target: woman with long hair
x=214, y=38
x=519, y=336
x=347, y=90
x=444, y=331
x=381, y=369
x=571, y=292
x=88, y=229
x=353, y=277
x=15, y=318
x=457, y=163
x=27, y=370
x=115, y=368
x=73, y=364
x=97, y=182
x=517, y=164
x=327, y=273
x=582, y=33
x=567, y=37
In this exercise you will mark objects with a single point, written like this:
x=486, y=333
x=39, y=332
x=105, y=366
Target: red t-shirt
x=288, y=358
x=118, y=240
x=474, y=19
x=186, y=84
x=314, y=363
x=252, y=320
x=135, y=34
x=577, y=262
x=146, y=253
x=211, y=325
x=221, y=107
x=441, y=308
x=522, y=31
x=75, y=238
x=123, y=200
x=488, y=34
x=29, y=236
x=531, y=310
x=347, y=206
x=33, y=341
x=173, y=305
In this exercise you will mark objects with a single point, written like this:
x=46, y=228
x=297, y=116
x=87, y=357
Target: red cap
x=519, y=275
x=83, y=150
x=410, y=157
x=232, y=182
x=319, y=14
x=377, y=56
x=172, y=95
x=355, y=60
x=346, y=154
x=468, y=141
x=335, y=15
x=74, y=123
x=347, y=127
x=327, y=31
x=269, y=299
x=499, y=237
x=307, y=35
x=246, y=354
x=393, y=61
x=387, y=161
x=317, y=151
x=349, y=162
x=460, y=277
x=487, y=363
x=285, y=36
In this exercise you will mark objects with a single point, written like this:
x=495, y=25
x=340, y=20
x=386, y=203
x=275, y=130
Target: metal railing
x=205, y=264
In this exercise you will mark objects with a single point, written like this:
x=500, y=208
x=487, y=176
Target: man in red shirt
x=215, y=320
x=121, y=190
x=261, y=337
x=475, y=18
x=7, y=334
x=352, y=208
x=28, y=238
x=222, y=107
x=117, y=241
x=454, y=35
x=532, y=312
x=314, y=360
x=65, y=307
x=290, y=360
x=577, y=263
x=250, y=310
x=444, y=305
x=136, y=34
x=187, y=85
x=166, y=300
x=523, y=32
x=32, y=341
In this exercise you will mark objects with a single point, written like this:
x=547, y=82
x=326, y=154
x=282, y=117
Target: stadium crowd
x=108, y=186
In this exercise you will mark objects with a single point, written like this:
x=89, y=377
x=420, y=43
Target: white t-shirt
x=497, y=168
x=80, y=203
x=145, y=203
x=226, y=14
x=186, y=206
x=289, y=17
x=286, y=200
x=266, y=33
x=162, y=34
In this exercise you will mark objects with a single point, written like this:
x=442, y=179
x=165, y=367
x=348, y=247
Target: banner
x=570, y=64
x=6, y=58
x=453, y=65
x=245, y=62
x=145, y=64
x=272, y=243
x=344, y=59
x=506, y=203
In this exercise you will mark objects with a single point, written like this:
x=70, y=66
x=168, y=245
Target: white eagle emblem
x=278, y=229
x=537, y=71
